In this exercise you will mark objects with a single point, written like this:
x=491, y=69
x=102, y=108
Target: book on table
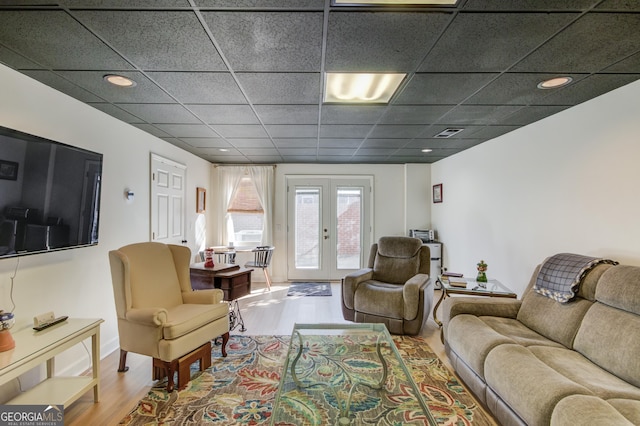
x=457, y=281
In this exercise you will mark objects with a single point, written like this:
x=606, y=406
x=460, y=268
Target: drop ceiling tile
x=426, y=159
x=207, y=142
x=481, y=42
x=590, y=87
x=351, y=114
x=298, y=151
x=300, y=158
x=622, y=5
x=393, y=131
x=232, y=159
x=478, y=114
x=376, y=152
x=224, y=114
x=268, y=41
x=251, y=143
x=324, y=152
x=200, y=87
x=93, y=81
x=335, y=159
x=151, y=129
x=416, y=152
x=467, y=130
x=516, y=89
x=116, y=112
x=260, y=4
x=156, y=40
x=160, y=113
x=228, y=152
x=188, y=130
x=610, y=40
x=15, y=60
x=414, y=114
x=490, y=132
x=264, y=159
x=528, y=115
x=55, y=40
x=437, y=144
x=252, y=152
x=385, y=143
x=340, y=143
x=442, y=88
x=288, y=114
x=629, y=65
x=295, y=142
x=369, y=159
x=51, y=79
x=381, y=42
x=240, y=130
x=542, y=5
x=281, y=88
x=292, y=131
x=344, y=131
x=124, y=4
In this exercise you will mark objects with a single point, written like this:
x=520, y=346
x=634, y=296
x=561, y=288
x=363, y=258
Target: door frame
x=367, y=234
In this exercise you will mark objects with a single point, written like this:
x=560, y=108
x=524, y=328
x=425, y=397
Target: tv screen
x=49, y=195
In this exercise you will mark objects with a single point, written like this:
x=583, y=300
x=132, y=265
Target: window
x=246, y=214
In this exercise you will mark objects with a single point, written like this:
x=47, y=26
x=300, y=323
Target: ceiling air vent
x=447, y=133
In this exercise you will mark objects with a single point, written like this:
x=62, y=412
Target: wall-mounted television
x=49, y=195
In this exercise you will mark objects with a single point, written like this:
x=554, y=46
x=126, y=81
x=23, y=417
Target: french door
x=328, y=226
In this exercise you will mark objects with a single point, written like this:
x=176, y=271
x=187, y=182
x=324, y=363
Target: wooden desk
x=233, y=280
x=36, y=347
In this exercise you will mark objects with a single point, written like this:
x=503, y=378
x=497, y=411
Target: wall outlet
x=42, y=318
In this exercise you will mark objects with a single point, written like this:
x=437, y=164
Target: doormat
x=309, y=289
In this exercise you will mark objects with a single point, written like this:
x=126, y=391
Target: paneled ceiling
x=241, y=81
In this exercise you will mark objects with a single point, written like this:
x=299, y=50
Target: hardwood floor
x=264, y=313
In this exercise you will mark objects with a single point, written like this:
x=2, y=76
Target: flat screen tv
x=49, y=195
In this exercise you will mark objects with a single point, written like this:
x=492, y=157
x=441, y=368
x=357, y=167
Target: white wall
x=78, y=282
x=401, y=202
x=568, y=183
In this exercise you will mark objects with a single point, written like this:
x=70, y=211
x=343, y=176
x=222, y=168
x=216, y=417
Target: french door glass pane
x=307, y=228
x=348, y=235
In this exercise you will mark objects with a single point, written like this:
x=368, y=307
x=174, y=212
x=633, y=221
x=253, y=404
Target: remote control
x=49, y=323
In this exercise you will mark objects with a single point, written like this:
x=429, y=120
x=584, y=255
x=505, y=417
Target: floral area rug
x=241, y=388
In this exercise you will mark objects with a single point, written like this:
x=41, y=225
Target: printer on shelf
x=426, y=235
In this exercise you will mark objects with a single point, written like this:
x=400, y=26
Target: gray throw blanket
x=560, y=275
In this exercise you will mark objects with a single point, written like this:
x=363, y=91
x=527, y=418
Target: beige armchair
x=159, y=315
x=394, y=289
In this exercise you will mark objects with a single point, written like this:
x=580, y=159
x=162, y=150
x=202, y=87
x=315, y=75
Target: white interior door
x=168, y=195
x=328, y=226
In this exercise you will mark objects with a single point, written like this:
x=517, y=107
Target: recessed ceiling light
x=119, y=80
x=427, y=150
x=224, y=150
x=361, y=87
x=553, y=83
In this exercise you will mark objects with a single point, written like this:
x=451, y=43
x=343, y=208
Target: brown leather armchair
x=159, y=315
x=394, y=289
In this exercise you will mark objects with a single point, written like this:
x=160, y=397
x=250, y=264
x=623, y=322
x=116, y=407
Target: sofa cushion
x=472, y=339
x=397, y=260
x=630, y=408
x=586, y=410
x=183, y=319
x=576, y=367
x=610, y=338
x=378, y=298
x=518, y=332
x=528, y=385
x=568, y=314
x=620, y=288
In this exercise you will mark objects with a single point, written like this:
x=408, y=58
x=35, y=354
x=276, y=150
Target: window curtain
x=229, y=177
x=262, y=177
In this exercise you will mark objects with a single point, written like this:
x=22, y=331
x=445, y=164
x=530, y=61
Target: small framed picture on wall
x=437, y=193
x=201, y=200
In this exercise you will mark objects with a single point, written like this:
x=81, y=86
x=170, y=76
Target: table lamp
x=6, y=340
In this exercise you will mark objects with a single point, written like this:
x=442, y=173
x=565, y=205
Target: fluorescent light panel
x=361, y=87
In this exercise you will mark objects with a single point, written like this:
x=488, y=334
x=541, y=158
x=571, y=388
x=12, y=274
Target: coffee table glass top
x=339, y=374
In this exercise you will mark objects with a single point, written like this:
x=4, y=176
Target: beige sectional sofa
x=536, y=361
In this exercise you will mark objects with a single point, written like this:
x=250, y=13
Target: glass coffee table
x=342, y=374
